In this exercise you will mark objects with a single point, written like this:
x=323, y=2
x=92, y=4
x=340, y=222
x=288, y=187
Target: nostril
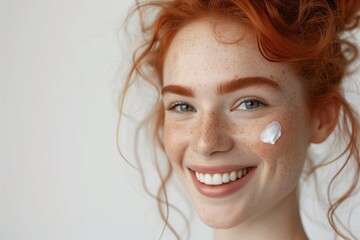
x=211, y=135
x=208, y=143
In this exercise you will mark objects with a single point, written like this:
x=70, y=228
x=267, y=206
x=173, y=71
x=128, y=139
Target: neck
x=281, y=222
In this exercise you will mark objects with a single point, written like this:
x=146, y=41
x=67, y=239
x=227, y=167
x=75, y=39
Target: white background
x=61, y=176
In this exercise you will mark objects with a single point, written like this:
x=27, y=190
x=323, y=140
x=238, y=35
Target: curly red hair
x=307, y=34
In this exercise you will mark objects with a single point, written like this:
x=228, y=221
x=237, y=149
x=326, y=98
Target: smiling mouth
x=220, y=181
x=222, y=178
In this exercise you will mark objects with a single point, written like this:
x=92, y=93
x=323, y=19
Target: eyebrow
x=225, y=87
x=236, y=84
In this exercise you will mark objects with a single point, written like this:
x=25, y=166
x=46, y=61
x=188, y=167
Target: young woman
x=245, y=87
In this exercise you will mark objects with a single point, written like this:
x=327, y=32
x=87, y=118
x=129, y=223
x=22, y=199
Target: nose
x=210, y=136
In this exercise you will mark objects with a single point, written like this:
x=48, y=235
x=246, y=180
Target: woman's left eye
x=249, y=104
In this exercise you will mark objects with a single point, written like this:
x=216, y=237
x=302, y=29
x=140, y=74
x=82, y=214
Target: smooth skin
x=206, y=128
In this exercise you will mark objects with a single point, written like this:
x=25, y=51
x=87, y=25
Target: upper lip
x=218, y=168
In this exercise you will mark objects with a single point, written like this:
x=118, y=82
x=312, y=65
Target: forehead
x=203, y=54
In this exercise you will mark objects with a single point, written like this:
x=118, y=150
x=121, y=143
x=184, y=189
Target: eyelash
x=254, y=99
x=172, y=106
x=176, y=104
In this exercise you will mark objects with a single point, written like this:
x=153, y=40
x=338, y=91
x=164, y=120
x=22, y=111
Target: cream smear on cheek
x=271, y=133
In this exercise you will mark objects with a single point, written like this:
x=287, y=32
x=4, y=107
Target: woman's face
x=219, y=98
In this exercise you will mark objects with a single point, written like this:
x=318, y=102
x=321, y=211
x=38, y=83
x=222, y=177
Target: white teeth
x=208, y=179
x=201, y=177
x=233, y=176
x=218, y=178
x=226, y=178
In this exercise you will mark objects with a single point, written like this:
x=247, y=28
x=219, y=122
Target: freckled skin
x=216, y=135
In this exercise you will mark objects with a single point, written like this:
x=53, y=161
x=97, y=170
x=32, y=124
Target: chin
x=221, y=217
x=220, y=225
x=223, y=222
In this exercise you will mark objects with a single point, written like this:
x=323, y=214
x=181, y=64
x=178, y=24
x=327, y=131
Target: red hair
x=307, y=34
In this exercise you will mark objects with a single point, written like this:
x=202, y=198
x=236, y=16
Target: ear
x=324, y=120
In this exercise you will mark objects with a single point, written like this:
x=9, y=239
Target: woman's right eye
x=180, y=107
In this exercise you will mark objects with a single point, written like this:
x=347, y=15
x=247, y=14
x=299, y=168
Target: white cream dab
x=271, y=133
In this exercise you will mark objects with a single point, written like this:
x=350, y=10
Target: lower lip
x=223, y=190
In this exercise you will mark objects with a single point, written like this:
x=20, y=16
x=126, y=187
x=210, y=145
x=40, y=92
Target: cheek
x=289, y=151
x=281, y=164
x=174, y=141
